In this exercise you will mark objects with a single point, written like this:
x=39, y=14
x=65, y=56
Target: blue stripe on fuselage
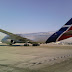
x=53, y=37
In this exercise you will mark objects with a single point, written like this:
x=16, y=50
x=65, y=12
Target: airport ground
x=44, y=58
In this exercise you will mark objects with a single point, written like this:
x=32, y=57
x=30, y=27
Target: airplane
x=35, y=39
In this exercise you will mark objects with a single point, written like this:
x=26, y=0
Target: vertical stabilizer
x=60, y=34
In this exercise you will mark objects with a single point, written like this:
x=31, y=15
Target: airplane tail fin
x=63, y=33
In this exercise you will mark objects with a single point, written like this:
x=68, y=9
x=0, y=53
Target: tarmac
x=43, y=58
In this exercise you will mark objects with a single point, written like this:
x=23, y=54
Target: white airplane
x=35, y=38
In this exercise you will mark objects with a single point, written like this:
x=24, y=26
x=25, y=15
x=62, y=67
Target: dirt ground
x=44, y=58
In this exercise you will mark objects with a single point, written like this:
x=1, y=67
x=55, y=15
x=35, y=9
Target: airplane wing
x=16, y=37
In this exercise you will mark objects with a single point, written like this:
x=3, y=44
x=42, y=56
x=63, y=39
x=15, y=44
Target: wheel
x=10, y=44
x=26, y=44
x=36, y=45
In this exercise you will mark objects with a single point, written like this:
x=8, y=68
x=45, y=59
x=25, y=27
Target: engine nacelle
x=8, y=41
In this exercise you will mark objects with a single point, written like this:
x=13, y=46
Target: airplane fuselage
x=35, y=37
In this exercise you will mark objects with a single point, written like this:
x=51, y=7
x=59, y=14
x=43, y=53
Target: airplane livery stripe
x=69, y=22
x=56, y=35
x=65, y=36
x=67, y=25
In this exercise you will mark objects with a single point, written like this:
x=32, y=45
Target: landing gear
x=10, y=44
x=36, y=45
x=26, y=44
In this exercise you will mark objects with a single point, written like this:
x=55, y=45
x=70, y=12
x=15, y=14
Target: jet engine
x=8, y=41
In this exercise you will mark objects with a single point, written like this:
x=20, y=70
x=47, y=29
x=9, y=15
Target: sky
x=29, y=16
